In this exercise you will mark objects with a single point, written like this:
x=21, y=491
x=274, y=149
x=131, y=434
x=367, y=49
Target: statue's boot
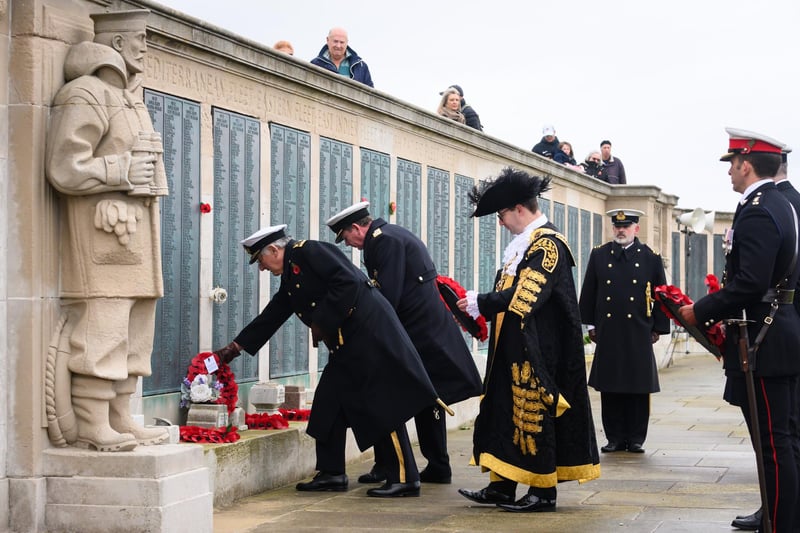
x=121, y=420
x=90, y=401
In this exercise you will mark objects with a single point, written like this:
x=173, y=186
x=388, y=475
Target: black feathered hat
x=510, y=188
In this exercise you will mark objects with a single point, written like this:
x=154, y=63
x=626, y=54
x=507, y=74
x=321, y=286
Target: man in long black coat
x=535, y=422
x=399, y=263
x=374, y=380
x=760, y=273
x=617, y=304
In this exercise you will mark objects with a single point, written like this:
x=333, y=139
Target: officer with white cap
x=399, y=263
x=616, y=303
x=374, y=380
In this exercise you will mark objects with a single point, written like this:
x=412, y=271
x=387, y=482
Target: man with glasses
x=535, y=422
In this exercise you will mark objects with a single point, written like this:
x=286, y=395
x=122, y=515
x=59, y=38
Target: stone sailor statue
x=104, y=158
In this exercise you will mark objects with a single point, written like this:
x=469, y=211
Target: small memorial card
x=211, y=364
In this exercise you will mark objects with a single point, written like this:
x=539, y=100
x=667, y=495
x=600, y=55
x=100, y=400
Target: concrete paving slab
x=697, y=474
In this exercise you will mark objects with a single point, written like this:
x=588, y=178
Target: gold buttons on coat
x=608, y=315
x=608, y=282
x=635, y=282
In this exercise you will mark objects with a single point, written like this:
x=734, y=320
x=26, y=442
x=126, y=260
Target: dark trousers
x=625, y=417
x=331, y=451
x=777, y=404
x=397, y=457
x=432, y=434
x=394, y=449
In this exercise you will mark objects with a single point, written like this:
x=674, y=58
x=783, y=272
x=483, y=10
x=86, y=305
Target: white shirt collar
x=751, y=189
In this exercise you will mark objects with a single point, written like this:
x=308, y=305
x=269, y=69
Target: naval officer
x=374, y=380
x=617, y=305
x=401, y=267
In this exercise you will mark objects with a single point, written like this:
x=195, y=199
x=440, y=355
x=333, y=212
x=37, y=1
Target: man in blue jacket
x=338, y=57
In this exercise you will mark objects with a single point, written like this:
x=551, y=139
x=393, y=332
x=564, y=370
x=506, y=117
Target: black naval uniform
x=617, y=298
x=763, y=245
x=535, y=422
x=374, y=380
x=405, y=274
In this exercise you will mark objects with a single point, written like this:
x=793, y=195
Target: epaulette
x=377, y=233
x=299, y=244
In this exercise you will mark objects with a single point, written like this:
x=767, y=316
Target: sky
x=660, y=80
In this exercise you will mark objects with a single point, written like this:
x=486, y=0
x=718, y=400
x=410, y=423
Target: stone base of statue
x=207, y=415
x=153, y=488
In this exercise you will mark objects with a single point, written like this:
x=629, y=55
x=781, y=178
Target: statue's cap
x=120, y=21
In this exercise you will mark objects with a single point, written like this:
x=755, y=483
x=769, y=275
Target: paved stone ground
x=697, y=474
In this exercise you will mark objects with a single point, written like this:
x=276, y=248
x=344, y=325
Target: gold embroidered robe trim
x=530, y=404
x=528, y=288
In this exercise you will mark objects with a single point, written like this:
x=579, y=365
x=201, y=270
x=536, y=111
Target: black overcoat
x=401, y=265
x=374, y=375
x=618, y=301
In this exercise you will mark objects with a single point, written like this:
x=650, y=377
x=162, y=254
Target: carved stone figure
x=104, y=158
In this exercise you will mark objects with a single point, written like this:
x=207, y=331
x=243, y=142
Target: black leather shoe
x=395, y=490
x=613, y=447
x=373, y=476
x=750, y=522
x=487, y=495
x=426, y=476
x=530, y=504
x=635, y=447
x=324, y=482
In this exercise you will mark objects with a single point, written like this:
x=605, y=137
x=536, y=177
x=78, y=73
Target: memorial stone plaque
x=439, y=218
x=409, y=195
x=586, y=241
x=177, y=313
x=597, y=230
x=572, y=239
x=335, y=184
x=544, y=207
x=558, y=217
x=487, y=253
x=290, y=155
x=375, y=168
x=464, y=234
x=676, y=259
x=237, y=171
x=335, y=193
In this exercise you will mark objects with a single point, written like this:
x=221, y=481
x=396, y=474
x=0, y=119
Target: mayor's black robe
x=535, y=423
x=374, y=375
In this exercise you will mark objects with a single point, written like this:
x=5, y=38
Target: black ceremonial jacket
x=374, y=374
x=618, y=301
x=791, y=194
x=406, y=276
x=763, y=244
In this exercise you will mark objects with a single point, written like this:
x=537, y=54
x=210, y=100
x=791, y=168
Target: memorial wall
x=253, y=137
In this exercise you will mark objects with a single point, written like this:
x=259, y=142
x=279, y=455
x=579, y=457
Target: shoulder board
x=377, y=233
x=299, y=244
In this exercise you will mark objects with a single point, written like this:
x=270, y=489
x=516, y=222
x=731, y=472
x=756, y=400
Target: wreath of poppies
x=229, y=394
x=209, y=435
x=461, y=292
x=715, y=333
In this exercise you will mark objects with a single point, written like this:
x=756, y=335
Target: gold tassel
x=648, y=298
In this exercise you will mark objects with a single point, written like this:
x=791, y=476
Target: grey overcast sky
x=661, y=80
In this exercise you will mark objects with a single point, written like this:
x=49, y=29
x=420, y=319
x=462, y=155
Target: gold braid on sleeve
x=527, y=292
